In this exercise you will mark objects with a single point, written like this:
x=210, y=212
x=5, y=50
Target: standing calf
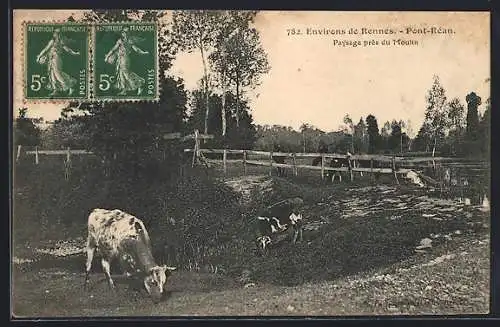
x=116, y=234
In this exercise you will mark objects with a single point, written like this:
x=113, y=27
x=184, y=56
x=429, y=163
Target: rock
x=290, y=308
x=249, y=285
x=425, y=243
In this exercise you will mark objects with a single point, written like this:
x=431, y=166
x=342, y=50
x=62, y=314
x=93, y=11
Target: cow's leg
x=106, y=268
x=125, y=266
x=90, y=256
x=295, y=234
x=300, y=234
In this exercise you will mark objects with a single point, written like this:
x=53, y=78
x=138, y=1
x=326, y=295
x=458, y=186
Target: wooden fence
x=394, y=164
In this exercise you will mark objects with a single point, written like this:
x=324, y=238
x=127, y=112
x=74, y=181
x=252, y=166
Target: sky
x=315, y=80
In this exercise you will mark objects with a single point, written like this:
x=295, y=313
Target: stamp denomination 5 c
x=56, y=61
x=125, y=61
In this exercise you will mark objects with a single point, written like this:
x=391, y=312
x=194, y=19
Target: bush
x=194, y=211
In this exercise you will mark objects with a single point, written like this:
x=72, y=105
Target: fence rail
x=395, y=165
x=58, y=152
x=375, y=157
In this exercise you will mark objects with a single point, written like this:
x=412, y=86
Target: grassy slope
x=338, y=272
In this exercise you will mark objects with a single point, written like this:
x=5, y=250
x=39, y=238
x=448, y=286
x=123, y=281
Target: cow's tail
x=145, y=236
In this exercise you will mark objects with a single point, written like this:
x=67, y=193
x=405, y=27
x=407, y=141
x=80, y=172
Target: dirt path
x=443, y=282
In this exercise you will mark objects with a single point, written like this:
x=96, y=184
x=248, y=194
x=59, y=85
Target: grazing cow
x=116, y=234
x=337, y=163
x=278, y=218
x=279, y=160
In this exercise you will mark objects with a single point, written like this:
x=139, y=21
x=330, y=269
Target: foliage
x=472, y=129
x=456, y=114
x=485, y=128
x=239, y=58
x=308, y=139
x=26, y=132
x=436, y=113
x=373, y=133
x=197, y=30
x=236, y=138
x=360, y=137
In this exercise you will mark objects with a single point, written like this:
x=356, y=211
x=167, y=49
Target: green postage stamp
x=56, y=61
x=125, y=61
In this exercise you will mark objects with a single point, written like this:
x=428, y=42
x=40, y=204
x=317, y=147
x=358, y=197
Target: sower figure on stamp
x=119, y=55
x=51, y=55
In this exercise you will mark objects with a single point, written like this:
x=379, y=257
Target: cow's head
x=155, y=281
x=296, y=219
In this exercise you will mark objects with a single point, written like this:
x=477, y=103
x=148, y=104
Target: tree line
x=450, y=128
x=129, y=136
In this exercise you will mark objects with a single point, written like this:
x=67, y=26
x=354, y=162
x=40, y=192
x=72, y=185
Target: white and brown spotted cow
x=118, y=235
x=278, y=218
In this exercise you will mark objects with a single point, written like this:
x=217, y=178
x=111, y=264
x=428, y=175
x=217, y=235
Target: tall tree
x=229, y=24
x=197, y=30
x=242, y=137
x=409, y=132
x=473, y=102
x=360, y=136
x=393, y=141
x=385, y=133
x=373, y=133
x=472, y=133
x=239, y=55
x=485, y=127
x=456, y=114
x=424, y=137
x=350, y=127
x=436, y=111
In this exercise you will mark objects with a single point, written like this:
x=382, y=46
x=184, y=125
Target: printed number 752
x=293, y=31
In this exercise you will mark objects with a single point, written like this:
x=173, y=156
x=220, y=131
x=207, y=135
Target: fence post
x=195, y=150
x=322, y=166
x=372, y=177
x=350, y=167
x=67, y=164
x=294, y=165
x=224, y=161
x=271, y=163
x=394, y=169
x=36, y=155
x=18, y=155
x=245, y=162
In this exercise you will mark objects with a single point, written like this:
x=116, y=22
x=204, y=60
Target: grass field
x=360, y=255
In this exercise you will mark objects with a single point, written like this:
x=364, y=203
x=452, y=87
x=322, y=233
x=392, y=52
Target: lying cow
x=278, y=218
x=116, y=234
